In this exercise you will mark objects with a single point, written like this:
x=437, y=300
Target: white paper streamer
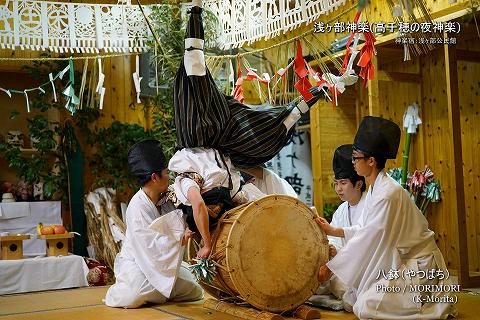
x=101, y=77
x=26, y=99
x=137, y=79
x=102, y=94
x=50, y=76
x=266, y=76
x=62, y=73
x=411, y=119
x=7, y=92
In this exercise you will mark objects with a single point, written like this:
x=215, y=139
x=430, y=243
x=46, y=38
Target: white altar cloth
x=23, y=217
x=42, y=273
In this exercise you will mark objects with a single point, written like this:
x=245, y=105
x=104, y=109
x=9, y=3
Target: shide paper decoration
x=244, y=22
x=72, y=27
x=72, y=101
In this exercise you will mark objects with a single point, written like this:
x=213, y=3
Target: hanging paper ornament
x=100, y=89
x=303, y=86
x=238, y=90
x=50, y=76
x=69, y=91
x=62, y=73
x=366, y=55
x=411, y=119
x=7, y=92
x=300, y=69
x=26, y=100
x=137, y=79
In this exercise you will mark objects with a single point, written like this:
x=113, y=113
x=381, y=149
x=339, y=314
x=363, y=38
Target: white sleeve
x=350, y=232
x=181, y=187
x=336, y=241
x=158, y=255
x=248, y=193
x=366, y=252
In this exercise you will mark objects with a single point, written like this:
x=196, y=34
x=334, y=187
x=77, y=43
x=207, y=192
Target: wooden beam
x=470, y=56
x=399, y=76
x=458, y=185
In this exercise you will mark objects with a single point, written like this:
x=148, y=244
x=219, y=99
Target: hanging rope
x=68, y=58
x=286, y=42
x=247, y=53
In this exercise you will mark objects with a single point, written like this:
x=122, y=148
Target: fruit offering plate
x=56, y=236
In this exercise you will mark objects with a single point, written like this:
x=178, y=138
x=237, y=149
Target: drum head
x=274, y=252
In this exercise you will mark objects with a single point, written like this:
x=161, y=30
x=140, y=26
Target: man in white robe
x=149, y=266
x=350, y=188
x=392, y=248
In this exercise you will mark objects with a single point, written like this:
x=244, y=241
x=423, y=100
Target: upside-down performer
x=217, y=134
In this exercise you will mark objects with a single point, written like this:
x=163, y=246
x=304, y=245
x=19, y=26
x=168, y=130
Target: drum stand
x=246, y=312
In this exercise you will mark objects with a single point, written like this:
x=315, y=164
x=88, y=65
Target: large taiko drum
x=268, y=253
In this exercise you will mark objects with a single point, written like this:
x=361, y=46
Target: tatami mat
x=86, y=303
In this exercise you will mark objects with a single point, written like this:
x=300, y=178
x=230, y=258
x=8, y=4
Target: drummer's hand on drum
x=204, y=252
x=329, y=230
x=324, y=274
x=323, y=223
x=332, y=251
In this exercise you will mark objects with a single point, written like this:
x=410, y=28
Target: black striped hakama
x=205, y=117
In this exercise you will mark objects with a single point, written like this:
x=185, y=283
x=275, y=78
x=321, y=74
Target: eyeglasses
x=358, y=158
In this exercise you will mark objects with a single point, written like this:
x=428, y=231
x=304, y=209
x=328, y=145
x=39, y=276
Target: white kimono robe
x=393, y=235
x=208, y=164
x=149, y=266
x=344, y=216
x=271, y=183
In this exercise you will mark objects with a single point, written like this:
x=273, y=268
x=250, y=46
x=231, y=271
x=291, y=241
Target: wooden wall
x=119, y=101
x=469, y=101
x=336, y=126
x=433, y=144
x=397, y=84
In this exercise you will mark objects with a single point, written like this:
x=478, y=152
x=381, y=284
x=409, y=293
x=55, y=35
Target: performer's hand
x=204, y=252
x=332, y=251
x=323, y=223
x=317, y=94
x=324, y=274
x=187, y=235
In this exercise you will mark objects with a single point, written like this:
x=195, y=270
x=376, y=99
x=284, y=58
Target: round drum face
x=274, y=251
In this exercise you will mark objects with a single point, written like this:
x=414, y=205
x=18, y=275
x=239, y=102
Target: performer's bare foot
x=324, y=274
x=197, y=3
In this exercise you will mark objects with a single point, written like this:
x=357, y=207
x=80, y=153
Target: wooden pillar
x=373, y=96
x=316, y=158
x=459, y=197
